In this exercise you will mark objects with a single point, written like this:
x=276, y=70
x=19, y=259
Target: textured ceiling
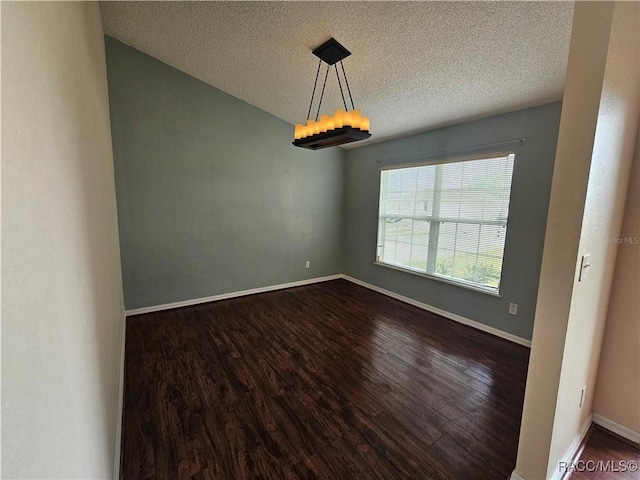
x=414, y=65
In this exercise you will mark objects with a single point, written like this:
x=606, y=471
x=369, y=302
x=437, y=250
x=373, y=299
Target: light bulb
x=346, y=120
x=356, y=117
x=324, y=123
x=310, y=127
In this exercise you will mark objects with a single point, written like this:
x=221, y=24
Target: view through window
x=447, y=220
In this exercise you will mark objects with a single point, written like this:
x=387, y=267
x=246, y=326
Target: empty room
x=320, y=240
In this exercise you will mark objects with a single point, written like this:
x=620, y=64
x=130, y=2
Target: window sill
x=440, y=279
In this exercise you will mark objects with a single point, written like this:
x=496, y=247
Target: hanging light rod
x=344, y=126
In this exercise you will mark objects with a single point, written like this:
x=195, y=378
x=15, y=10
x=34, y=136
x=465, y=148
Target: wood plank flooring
x=606, y=457
x=326, y=381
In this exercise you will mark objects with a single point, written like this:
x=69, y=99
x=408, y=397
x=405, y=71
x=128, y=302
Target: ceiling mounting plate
x=331, y=51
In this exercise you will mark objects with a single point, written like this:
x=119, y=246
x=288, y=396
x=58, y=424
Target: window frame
x=435, y=276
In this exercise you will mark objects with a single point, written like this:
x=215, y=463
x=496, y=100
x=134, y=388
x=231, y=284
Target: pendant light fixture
x=344, y=126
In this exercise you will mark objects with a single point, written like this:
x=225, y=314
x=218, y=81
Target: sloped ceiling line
x=414, y=65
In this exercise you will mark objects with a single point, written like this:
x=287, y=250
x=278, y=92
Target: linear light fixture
x=344, y=126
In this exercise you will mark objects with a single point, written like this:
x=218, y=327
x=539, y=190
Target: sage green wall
x=212, y=197
x=527, y=216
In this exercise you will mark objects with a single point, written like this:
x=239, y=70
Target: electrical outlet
x=307, y=264
x=582, y=395
x=513, y=308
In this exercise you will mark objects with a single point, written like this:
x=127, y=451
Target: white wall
x=583, y=85
x=62, y=290
x=603, y=212
x=591, y=176
x=617, y=392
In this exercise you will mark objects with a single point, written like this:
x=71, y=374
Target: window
x=447, y=220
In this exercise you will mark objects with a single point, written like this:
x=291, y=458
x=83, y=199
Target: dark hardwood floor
x=606, y=457
x=327, y=381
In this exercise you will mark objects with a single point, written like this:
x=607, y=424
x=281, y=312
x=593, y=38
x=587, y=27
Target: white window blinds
x=447, y=219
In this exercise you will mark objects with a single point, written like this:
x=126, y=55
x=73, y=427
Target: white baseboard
x=572, y=451
x=616, y=428
x=224, y=296
x=402, y=298
x=443, y=313
x=120, y=408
